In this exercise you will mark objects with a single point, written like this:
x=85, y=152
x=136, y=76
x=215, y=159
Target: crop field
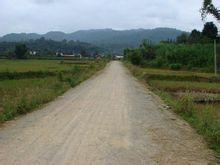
x=27, y=84
x=188, y=86
x=40, y=65
x=193, y=95
x=154, y=71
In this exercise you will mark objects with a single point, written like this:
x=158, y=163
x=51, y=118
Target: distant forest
x=43, y=47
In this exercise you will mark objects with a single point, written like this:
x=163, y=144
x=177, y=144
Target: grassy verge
x=26, y=93
x=183, y=96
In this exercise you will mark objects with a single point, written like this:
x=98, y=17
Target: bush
x=158, y=62
x=21, y=51
x=188, y=55
x=72, y=82
x=175, y=66
x=136, y=58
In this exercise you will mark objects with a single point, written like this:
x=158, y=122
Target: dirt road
x=109, y=119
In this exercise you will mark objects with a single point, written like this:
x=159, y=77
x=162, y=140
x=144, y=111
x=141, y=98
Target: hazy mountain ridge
x=107, y=38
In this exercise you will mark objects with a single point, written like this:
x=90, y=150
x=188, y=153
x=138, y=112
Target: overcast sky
x=41, y=16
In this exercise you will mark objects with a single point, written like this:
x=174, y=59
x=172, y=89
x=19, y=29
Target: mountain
x=109, y=39
x=132, y=37
x=56, y=36
x=17, y=37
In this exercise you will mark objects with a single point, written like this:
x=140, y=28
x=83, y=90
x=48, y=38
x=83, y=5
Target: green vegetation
x=49, y=48
x=21, y=51
x=189, y=86
x=192, y=51
x=40, y=65
x=193, y=95
x=26, y=92
x=174, y=56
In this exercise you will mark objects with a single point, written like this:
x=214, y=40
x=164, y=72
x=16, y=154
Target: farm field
x=27, y=84
x=152, y=71
x=181, y=86
x=40, y=65
x=193, y=95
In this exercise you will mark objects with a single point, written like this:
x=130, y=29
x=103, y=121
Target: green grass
x=23, y=95
x=181, y=86
x=213, y=108
x=180, y=90
x=39, y=65
x=204, y=118
x=167, y=72
x=178, y=73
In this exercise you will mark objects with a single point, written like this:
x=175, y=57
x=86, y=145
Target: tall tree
x=209, y=8
x=210, y=30
x=195, y=36
x=20, y=51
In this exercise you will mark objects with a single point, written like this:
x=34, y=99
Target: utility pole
x=215, y=57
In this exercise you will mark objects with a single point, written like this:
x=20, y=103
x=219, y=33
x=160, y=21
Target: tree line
x=43, y=47
x=207, y=35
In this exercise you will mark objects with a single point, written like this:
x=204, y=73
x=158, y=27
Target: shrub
x=188, y=55
x=72, y=82
x=158, y=62
x=136, y=58
x=175, y=66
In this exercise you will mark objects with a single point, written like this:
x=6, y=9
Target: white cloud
x=70, y=15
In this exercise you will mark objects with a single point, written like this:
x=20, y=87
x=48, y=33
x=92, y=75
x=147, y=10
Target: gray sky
x=41, y=16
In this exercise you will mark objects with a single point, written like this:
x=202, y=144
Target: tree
x=210, y=30
x=147, y=50
x=20, y=51
x=83, y=53
x=195, y=36
x=183, y=38
x=209, y=8
x=136, y=58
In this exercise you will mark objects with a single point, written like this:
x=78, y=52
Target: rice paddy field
x=28, y=84
x=40, y=65
x=193, y=95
